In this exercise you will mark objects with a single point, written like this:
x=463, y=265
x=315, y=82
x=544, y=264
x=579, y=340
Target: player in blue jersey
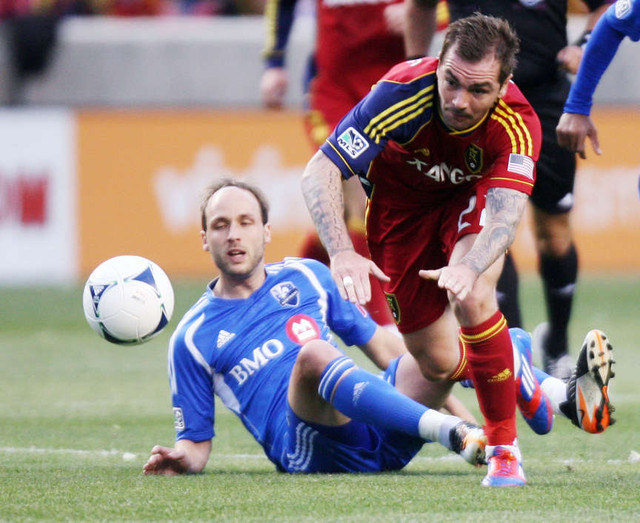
x=261, y=339
x=620, y=20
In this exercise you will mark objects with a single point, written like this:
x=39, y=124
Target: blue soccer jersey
x=243, y=350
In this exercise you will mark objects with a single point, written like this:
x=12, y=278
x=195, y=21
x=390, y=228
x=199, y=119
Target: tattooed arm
x=504, y=210
x=323, y=194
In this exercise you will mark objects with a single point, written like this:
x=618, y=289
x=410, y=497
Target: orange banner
x=606, y=214
x=140, y=175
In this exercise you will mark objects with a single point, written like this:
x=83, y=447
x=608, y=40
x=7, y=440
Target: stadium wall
x=198, y=61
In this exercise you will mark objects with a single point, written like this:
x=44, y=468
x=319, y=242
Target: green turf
x=79, y=416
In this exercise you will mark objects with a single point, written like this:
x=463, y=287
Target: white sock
x=435, y=426
x=556, y=391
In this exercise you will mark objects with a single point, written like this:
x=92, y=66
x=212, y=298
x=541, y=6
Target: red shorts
x=405, y=240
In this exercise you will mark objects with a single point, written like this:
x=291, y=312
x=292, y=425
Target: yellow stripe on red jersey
x=394, y=139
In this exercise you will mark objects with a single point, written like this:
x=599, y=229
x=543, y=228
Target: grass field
x=79, y=417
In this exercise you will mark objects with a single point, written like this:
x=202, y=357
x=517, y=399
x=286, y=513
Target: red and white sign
x=37, y=197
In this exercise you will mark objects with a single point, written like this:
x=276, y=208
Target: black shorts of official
x=556, y=168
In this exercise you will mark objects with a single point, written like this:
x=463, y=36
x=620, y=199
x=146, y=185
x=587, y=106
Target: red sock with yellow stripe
x=490, y=357
x=463, y=370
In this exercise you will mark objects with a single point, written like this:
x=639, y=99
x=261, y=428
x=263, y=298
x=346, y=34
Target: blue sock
x=364, y=397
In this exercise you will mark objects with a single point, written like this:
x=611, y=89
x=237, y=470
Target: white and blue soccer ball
x=128, y=300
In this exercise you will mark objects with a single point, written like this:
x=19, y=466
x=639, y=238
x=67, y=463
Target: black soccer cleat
x=469, y=441
x=588, y=405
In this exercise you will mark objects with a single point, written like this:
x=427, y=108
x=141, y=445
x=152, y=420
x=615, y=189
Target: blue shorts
x=353, y=447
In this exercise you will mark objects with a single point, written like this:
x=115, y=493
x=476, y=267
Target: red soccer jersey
x=354, y=49
x=396, y=142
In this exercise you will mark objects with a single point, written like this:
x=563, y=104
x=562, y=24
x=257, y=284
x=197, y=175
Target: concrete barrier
x=212, y=62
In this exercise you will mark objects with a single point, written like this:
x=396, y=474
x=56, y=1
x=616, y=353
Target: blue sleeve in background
x=620, y=20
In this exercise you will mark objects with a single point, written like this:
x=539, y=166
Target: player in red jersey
x=446, y=150
x=357, y=42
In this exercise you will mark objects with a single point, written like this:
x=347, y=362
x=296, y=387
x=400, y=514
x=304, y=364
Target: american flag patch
x=521, y=164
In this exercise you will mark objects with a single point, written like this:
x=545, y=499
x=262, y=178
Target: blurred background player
x=620, y=20
x=544, y=60
x=356, y=44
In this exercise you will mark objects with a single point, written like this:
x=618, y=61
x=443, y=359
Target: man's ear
x=203, y=237
x=504, y=86
x=267, y=233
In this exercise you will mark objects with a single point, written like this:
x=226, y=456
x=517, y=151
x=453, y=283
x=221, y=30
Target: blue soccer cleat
x=534, y=405
x=505, y=466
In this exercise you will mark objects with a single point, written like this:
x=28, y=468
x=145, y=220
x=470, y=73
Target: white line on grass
x=634, y=457
x=127, y=456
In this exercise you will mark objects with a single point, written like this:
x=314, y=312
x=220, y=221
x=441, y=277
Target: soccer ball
x=128, y=300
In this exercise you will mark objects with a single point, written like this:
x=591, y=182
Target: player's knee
x=437, y=374
x=556, y=246
x=474, y=305
x=436, y=368
x=553, y=234
x=314, y=356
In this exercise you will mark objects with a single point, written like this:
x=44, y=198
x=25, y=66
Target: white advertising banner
x=38, y=237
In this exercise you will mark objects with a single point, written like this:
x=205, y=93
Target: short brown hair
x=230, y=182
x=478, y=35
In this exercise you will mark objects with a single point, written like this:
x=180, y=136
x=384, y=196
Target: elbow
x=314, y=168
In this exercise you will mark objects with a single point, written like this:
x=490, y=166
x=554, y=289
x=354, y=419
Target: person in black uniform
x=544, y=60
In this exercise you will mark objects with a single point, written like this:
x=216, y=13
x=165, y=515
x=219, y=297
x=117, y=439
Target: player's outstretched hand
x=351, y=274
x=457, y=279
x=165, y=461
x=572, y=131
